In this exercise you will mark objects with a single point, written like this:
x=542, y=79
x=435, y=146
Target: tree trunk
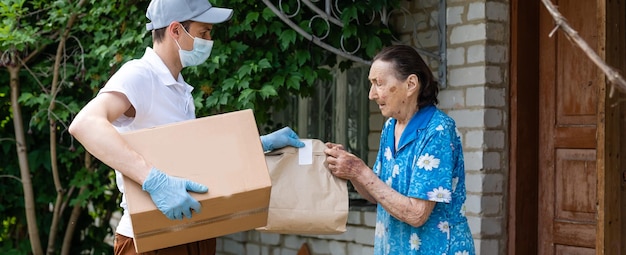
x=22, y=155
x=54, y=90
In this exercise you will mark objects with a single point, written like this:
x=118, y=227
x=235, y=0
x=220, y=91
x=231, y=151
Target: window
x=338, y=112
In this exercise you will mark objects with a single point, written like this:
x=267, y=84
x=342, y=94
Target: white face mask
x=200, y=52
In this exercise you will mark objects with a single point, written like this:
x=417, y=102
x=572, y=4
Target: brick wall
x=476, y=97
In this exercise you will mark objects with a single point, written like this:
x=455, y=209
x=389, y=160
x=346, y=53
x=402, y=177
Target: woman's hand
x=343, y=164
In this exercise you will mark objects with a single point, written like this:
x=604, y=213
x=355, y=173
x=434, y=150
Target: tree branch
x=53, y=135
x=561, y=23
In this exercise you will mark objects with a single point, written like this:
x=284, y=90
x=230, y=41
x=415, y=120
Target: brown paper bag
x=305, y=199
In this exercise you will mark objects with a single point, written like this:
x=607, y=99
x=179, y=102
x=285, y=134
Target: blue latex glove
x=281, y=138
x=170, y=194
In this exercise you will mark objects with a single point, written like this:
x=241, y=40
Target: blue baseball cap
x=162, y=12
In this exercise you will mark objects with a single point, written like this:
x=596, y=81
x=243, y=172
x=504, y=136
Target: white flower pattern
x=455, y=181
x=444, y=227
x=440, y=195
x=416, y=242
x=427, y=162
x=396, y=171
x=388, y=154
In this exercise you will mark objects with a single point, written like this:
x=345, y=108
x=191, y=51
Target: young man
x=148, y=92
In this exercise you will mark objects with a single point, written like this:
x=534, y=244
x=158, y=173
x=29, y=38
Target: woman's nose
x=372, y=95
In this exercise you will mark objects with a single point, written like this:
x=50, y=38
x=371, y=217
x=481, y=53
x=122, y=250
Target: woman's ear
x=413, y=84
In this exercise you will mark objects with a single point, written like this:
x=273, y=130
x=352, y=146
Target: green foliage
x=257, y=62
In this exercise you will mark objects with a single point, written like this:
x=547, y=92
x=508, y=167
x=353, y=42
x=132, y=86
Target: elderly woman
x=418, y=180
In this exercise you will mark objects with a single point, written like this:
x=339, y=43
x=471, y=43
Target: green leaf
x=229, y=84
x=286, y=38
x=268, y=91
x=294, y=82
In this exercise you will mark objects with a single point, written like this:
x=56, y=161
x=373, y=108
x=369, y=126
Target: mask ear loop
x=176, y=41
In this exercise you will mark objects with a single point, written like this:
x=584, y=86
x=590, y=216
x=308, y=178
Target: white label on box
x=305, y=154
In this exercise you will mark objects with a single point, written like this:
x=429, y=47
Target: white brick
x=474, y=139
x=493, y=183
x=318, y=246
x=364, y=236
x=349, y=235
x=239, y=236
x=494, y=75
x=292, y=241
x=451, y=99
x=493, y=118
x=485, y=226
x=494, y=139
x=468, y=118
x=474, y=182
x=497, y=11
x=369, y=219
x=368, y=250
x=253, y=249
x=456, y=56
x=473, y=160
x=287, y=251
x=497, y=54
x=484, y=183
x=337, y=248
x=497, y=32
x=473, y=204
x=495, y=97
x=359, y=249
x=233, y=247
x=474, y=75
x=487, y=247
x=354, y=217
x=483, y=205
x=275, y=251
x=270, y=238
x=455, y=15
x=468, y=33
x=491, y=226
x=266, y=250
x=475, y=96
x=476, y=54
x=474, y=225
x=492, y=160
x=476, y=11
x=492, y=205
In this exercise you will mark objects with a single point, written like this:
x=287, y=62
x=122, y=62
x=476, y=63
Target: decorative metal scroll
x=331, y=16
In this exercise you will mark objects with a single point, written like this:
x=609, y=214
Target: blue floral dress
x=427, y=165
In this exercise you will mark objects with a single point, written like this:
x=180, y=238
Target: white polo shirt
x=158, y=99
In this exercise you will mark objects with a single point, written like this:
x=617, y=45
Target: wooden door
x=568, y=108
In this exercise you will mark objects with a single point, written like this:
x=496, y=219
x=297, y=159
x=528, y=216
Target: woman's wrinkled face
x=386, y=90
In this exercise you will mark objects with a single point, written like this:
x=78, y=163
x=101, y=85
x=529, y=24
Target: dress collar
x=419, y=121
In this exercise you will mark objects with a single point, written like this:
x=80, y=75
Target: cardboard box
x=222, y=152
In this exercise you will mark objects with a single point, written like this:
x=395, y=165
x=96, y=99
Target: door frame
x=523, y=197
